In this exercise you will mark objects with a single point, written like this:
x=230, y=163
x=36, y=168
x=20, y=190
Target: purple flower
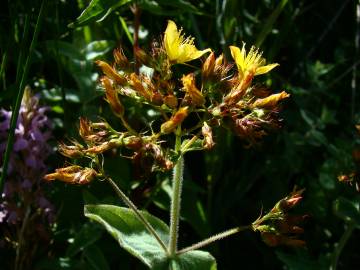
x=27, y=161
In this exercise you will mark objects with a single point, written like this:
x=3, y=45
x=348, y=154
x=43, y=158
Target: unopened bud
x=120, y=58
x=270, y=101
x=208, y=136
x=157, y=98
x=170, y=125
x=289, y=202
x=101, y=148
x=171, y=101
x=71, y=151
x=142, y=56
x=84, y=128
x=197, y=98
x=72, y=175
x=139, y=87
x=133, y=142
x=208, y=66
x=111, y=72
x=112, y=97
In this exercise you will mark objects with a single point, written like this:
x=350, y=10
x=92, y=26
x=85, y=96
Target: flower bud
x=208, y=136
x=208, y=66
x=270, y=101
x=197, y=98
x=101, y=148
x=111, y=73
x=142, y=56
x=171, y=101
x=120, y=58
x=139, y=87
x=112, y=97
x=73, y=175
x=175, y=120
x=71, y=151
x=289, y=202
x=84, y=128
x=133, y=142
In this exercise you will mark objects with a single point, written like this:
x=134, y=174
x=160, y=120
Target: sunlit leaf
x=97, y=9
x=132, y=235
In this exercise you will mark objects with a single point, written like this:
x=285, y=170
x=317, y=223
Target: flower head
x=178, y=48
x=251, y=61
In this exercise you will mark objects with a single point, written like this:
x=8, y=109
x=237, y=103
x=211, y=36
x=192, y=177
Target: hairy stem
x=214, y=238
x=140, y=216
x=176, y=196
x=340, y=246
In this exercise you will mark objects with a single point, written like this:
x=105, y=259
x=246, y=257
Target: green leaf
x=194, y=260
x=126, y=29
x=97, y=49
x=347, y=210
x=197, y=145
x=132, y=235
x=98, y=9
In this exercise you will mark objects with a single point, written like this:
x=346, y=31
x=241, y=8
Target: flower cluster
x=278, y=227
x=192, y=104
x=26, y=166
x=25, y=212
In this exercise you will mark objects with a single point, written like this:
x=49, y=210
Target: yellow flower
x=252, y=62
x=178, y=48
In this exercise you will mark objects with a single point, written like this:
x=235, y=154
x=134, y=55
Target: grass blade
x=15, y=113
x=268, y=26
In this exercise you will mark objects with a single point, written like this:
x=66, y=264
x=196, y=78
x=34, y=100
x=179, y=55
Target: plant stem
x=176, y=196
x=340, y=246
x=140, y=216
x=213, y=238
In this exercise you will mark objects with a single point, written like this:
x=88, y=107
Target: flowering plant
x=25, y=212
x=186, y=108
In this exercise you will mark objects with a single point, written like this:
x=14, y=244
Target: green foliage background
x=314, y=42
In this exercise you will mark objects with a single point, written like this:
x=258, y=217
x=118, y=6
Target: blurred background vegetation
x=317, y=46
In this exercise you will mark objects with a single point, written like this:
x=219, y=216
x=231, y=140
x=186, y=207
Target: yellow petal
x=265, y=69
x=239, y=58
x=171, y=40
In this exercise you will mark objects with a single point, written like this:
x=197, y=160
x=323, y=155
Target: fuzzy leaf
x=132, y=235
